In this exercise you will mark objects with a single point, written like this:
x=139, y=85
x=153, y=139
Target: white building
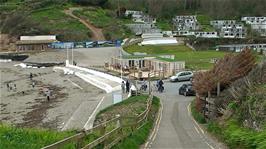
x=185, y=23
x=240, y=47
x=257, y=23
x=218, y=24
x=134, y=14
x=143, y=28
x=206, y=34
x=233, y=31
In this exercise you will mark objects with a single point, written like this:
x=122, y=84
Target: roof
x=39, y=37
x=26, y=42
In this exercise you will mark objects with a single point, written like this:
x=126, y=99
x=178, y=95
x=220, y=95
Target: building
x=233, y=31
x=142, y=65
x=239, y=47
x=185, y=23
x=39, y=43
x=257, y=23
x=141, y=28
x=218, y=24
x=134, y=14
x=206, y=34
x=140, y=17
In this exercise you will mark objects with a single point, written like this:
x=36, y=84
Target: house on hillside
x=218, y=24
x=39, y=43
x=257, y=23
x=185, y=23
x=233, y=31
x=141, y=28
x=206, y=34
x=261, y=48
x=140, y=17
x=134, y=14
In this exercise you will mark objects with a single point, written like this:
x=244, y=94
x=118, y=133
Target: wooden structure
x=140, y=66
x=108, y=137
x=36, y=43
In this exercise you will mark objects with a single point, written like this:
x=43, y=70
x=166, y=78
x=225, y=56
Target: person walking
x=127, y=86
x=161, y=88
x=15, y=87
x=123, y=87
x=33, y=84
x=7, y=86
x=48, y=94
x=31, y=76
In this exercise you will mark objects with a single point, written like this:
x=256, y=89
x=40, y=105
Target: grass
x=13, y=138
x=236, y=136
x=204, y=20
x=164, y=25
x=194, y=59
x=55, y=21
x=113, y=28
x=197, y=116
x=139, y=137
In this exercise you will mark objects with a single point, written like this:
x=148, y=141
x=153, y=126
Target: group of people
x=11, y=86
x=125, y=86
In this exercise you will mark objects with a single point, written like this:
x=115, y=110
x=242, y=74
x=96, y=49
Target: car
x=187, y=90
x=182, y=76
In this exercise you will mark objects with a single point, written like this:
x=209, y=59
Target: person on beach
x=123, y=87
x=33, y=84
x=31, y=76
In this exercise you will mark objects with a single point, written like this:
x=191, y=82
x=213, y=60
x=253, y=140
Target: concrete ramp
x=101, y=80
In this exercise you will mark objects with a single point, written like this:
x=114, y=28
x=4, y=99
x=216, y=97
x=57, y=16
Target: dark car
x=186, y=90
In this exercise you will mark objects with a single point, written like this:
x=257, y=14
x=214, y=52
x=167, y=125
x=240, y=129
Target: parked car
x=182, y=76
x=186, y=90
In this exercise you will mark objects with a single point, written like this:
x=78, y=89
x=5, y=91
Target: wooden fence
x=122, y=127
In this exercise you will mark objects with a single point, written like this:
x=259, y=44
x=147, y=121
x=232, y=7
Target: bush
x=197, y=115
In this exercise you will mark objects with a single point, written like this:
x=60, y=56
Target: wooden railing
x=121, y=128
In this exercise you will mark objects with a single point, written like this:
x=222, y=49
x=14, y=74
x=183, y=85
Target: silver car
x=182, y=76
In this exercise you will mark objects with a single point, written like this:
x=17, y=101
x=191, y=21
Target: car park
x=182, y=76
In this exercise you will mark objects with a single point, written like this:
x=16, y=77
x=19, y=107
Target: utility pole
x=72, y=56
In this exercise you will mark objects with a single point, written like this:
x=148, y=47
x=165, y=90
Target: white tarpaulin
x=158, y=41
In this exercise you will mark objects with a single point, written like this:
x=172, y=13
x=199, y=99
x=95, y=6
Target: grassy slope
x=113, y=28
x=193, y=59
x=29, y=138
x=56, y=22
x=205, y=23
x=25, y=138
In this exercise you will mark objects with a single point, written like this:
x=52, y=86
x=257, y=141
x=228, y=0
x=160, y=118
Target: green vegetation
x=204, y=21
x=140, y=136
x=164, y=25
x=113, y=28
x=55, y=21
x=13, y=138
x=194, y=59
x=197, y=115
x=235, y=136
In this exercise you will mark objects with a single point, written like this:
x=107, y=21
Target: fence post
x=79, y=144
x=102, y=132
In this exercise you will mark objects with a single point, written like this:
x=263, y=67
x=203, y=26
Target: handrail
x=119, y=127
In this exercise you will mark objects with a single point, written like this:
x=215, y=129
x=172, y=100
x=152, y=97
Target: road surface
x=177, y=129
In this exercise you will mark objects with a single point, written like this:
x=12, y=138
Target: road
x=97, y=33
x=177, y=129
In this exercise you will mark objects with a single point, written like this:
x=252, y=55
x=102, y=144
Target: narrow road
x=177, y=129
x=97, y=33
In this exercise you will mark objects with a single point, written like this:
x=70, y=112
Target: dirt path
x=97, y=33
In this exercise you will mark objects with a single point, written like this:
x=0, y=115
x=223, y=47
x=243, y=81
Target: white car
x=182, y=76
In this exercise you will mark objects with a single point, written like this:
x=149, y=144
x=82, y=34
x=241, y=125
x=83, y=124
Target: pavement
x=177, y=129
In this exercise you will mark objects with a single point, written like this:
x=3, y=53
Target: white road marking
x=75, y=84
x=71, y=118
x=196, y=128
x=92, y=115
x=155, y=130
